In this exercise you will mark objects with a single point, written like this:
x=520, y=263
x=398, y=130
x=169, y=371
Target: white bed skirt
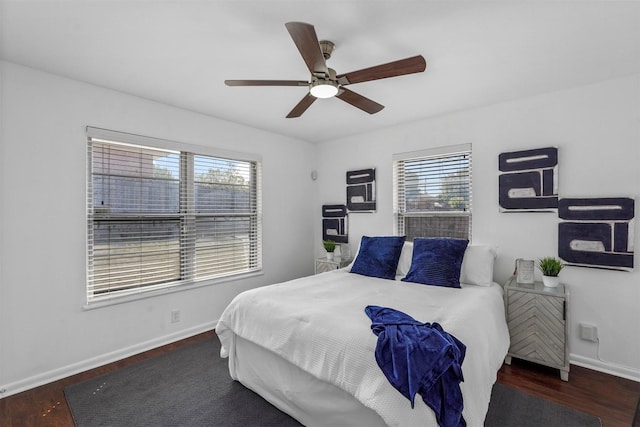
x=311, y=401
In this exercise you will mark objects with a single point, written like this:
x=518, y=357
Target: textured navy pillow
x=437, y=261
x=378, y=256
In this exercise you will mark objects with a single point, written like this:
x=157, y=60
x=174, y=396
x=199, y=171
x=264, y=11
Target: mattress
x=311, y=401
x=306, y=346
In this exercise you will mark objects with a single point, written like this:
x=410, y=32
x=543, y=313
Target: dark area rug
x=191, y=387
x=512, y=408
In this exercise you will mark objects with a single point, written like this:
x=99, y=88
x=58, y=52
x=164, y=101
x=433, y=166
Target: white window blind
x=432, y=193
x=159, y=217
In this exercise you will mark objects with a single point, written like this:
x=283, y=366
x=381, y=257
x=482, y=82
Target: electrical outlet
x=589, y=332
x=175, y=316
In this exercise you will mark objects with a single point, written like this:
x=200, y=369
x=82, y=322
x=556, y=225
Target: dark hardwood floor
x=611, y=398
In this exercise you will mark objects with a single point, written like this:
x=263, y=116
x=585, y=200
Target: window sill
x=109, y=301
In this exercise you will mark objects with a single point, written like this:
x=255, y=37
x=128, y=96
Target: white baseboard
x=103, y=359
x=607, y=368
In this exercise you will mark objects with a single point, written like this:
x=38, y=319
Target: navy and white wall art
x=334, y=223
x=361, y=190
x=528, y=180
x=597, y=232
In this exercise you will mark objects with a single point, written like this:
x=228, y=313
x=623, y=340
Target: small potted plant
x=329, y=246
x=550, y=268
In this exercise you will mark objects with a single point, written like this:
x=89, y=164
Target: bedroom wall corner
x=4, y=181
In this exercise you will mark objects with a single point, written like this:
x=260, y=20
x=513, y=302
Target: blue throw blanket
x=420, y=358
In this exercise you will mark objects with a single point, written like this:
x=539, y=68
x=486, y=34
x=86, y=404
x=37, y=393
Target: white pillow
x=404, y=264
x=348, y=267
x=477, y=265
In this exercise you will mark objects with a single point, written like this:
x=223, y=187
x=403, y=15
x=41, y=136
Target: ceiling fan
x=325, y=83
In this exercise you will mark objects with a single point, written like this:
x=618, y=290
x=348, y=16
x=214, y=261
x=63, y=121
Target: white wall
x=597, y=131
x=44, y=332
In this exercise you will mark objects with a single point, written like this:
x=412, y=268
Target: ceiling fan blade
x=266, y=83
x=302, y=106
x=306, y=40
x=359, y=101
x=415, y=64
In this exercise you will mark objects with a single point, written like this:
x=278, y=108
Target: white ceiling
x=180, y=53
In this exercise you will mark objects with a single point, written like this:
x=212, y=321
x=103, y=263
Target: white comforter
x=318, y=323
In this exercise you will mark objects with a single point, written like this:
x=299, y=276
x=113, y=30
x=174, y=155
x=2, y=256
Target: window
x=161, y=216
x=432, y=193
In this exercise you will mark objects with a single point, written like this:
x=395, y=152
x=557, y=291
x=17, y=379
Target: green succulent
x=550, y=266
x=329, y=245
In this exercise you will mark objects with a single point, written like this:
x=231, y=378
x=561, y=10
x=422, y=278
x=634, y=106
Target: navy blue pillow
x=437, y=261
x=378, y=256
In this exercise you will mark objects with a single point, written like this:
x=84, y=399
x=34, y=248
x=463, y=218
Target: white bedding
x=318, y=324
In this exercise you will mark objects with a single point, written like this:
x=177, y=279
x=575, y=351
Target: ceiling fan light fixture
x=321, y=88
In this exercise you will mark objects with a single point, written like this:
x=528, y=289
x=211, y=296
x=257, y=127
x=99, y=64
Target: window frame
x=185, y=215
x=400, y=212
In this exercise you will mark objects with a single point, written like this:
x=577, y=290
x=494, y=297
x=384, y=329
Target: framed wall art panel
x=334, y=223
x=597, y=232
x=361, y=190
x=528, y=180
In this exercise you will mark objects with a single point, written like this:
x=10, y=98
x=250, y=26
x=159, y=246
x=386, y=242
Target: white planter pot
x=330, y=256
x=550, y=281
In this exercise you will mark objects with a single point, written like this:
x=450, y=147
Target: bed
x=307, y=345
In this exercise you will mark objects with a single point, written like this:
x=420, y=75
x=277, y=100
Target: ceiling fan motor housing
x=327, y=48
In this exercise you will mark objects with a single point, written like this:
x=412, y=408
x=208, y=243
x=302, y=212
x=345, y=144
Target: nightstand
x=538, y=326
x=323, y=264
